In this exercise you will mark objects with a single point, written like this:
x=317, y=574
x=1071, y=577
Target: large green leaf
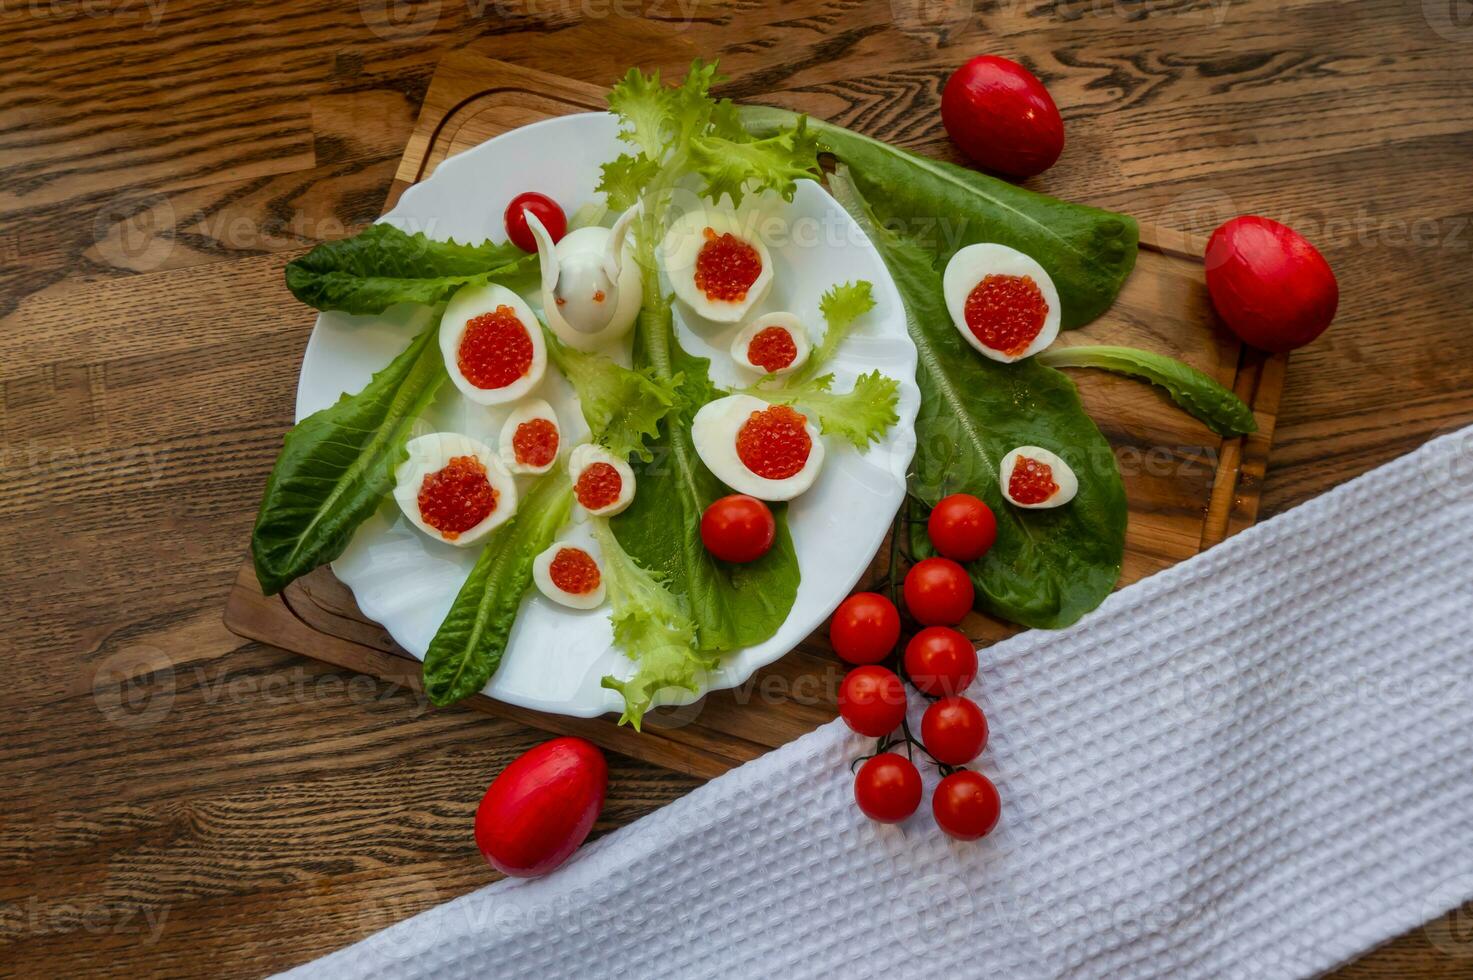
x=733, y=606
x=337, y=464
x=1087, y=252
x=382, y=266
x=1048, y=567
x=468, y=646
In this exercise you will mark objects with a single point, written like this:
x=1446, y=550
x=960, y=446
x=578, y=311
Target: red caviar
x=774, y=443
x=456, y=497
x=772, y=349
x=535, y=442
x=598, y=486
x=495, y=349
x=726, y=267
x=1032, y=481
x=573, y=570
x=1006, y=312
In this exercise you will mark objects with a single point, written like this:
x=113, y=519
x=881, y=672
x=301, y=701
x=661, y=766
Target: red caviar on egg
x=570, y=574
x=530, y=438
x=771, y=452
x=454, y=488
x=603, y=484
x=1002, y=302
x=717, y=263
x=775, y=343
x=1035, y=478
x=492, y=344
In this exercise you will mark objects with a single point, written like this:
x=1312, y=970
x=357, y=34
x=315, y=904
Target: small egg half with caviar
x=570, y=574
x=772, y=344
x=1035, y=479
x=530, y=437
x=771, y=452
x=492, y=344
x=718, y=265
x=603, y=484
x=454, y=488
x=1002, y=301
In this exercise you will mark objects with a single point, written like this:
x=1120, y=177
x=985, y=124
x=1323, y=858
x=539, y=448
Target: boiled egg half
x=772, y=344
x=603, y=484
x=769, y=451
x=717, y=264
x=492, y=344
x=1036, y=479
x=1002, y=301
x=454, y=488
x=570, y=574
x=530, y=437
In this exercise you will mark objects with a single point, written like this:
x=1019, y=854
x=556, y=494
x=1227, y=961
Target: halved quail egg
x=570, y=574
x=717, y=263
x=1002, y=301
x=1036, y=479
x=530, y=437
x=603, y=484
x=454, y=488
x=772, y=344
x=492, y=344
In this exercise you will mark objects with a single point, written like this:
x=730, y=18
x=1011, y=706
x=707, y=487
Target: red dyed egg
x=1270, y=286
x=1002, y=117
x=541, y=807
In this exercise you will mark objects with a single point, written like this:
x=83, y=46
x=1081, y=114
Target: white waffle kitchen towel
x=1257, y=763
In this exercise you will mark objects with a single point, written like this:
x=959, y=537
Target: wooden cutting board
x=1188, y=489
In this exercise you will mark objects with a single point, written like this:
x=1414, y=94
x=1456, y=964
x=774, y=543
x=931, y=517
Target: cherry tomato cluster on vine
x=940, y=663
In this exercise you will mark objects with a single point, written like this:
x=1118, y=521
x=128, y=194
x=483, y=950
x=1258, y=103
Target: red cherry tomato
x=541, y=807
x=547, y=212
x=738, y=528
x=940, y=661
x=865, y=628
x=966, y=805
x=887, y=788
x=962, y=527
x=954, y=730
x=938, y=592
x=1270, y=286
x=1002, y=117
x=872, y=701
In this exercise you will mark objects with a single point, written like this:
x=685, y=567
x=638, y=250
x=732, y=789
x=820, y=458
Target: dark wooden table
x=179, y=802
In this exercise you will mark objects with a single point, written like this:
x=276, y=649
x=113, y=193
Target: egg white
x=682, y=245
x=542, y=575
x=788, y=322
x=431, y=453
x=532, y=408
x=970, y=265
x=473, y=301
x=1063, y=476
x=586, y=455
x=580, y=257
x=714, y=432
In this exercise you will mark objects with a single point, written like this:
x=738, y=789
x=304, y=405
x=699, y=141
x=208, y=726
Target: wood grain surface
x=180, y=802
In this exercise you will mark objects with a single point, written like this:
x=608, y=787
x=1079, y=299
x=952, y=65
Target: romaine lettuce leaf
x=1048, y=567
x=467, y=648
x=382, y=265
x=336, y=465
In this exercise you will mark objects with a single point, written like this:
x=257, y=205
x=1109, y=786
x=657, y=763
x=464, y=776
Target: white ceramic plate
x=556, y=657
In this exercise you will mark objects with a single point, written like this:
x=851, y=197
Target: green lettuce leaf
x=468, y=646
x=776, y=163
x=338, y=463
x=1048, y=567
x=382, y=265
x=622, y=407
x=1215, y=406
x=652, y=626
x=1087, y=252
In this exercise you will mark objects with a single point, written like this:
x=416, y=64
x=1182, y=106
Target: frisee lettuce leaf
x=651, y=625
x=338, y=463
x=383, y=265
x=859, y=416
x=1213, y=405
x=468, y=646
x=623, y=407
